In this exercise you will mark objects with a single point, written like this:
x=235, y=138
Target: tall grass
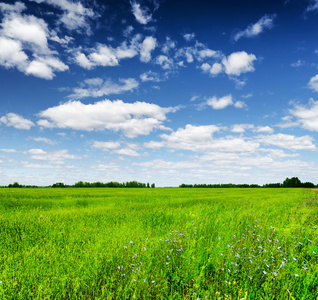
x=158, y=243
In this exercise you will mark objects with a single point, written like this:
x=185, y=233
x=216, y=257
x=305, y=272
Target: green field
x=165, y=243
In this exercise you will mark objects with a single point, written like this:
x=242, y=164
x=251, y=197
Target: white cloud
x=105, y=146
x=165, y=62
x=189, y=36
x=240, y=128
x=21, y=33
x=18, y=7
x=142, y=15
x=148, y=45
x=43, y=140
x=264, y=129
x=75, y=16
x=220, y=103
x=289, y=142
x=266, y=22
x=313, y=83
x=16, y=121
x=97, y=88
x=132, y=119
x=150, y=76
x=27, y=29
x=127, y=152
x=12, y=55
x=168, y=45
x=199, y=139
x=108, y=56
x=238, y=63
x=55, y=157
x=307, y=116
x=239, y=104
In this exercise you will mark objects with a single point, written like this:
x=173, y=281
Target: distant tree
x=308, y=185
x=15, y=185
x=292, y=182
x=58, y=185
x=148, y=185
x=153, y=186
x=79, y=184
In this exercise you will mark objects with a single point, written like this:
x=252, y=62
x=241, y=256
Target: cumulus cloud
x=150, y=76
x=289, y=142
x=16, y=121
x=200, y=139
x=133, y=119
x=223, y=102
x=75, y=16
x=238, y=63
x=43, y=140
x=307, y=116
x=105, y=146
x=165, y=62
x=142, y=14
x=108, y=56
x=56, y=157
x=253, y=30
x=313, y=83
x=96, y=87
x=147, y=46
x=21, y=34
x=189, y=36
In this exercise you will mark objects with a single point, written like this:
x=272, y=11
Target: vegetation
x=288, y=182
x=158, y=243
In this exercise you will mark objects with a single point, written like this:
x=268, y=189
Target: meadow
x=162, y=243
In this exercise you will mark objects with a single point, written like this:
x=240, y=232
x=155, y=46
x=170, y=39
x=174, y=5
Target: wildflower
x=145, y=248
x=0, y=281
x=131, y=242
x=296, y=275
x=144, y=280
x=118, y=267
x=219, y=238
x=152, y=281
x=265, y=272
x=275, y=274
x=314, y=252
x=122, y=274
x=125, y=247
x=221, y=254
x=250, y=277
x=294, y=258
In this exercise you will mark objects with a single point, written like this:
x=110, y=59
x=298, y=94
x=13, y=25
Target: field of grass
x=158, y=243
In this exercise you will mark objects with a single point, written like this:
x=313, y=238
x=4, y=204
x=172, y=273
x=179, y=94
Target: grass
x=158, y=243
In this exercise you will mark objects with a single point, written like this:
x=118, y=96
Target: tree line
x=81, y=184
x=288, y=182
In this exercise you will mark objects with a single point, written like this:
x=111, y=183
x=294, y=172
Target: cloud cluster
x=74, y=15
x=133, y=119
x=233, y=65
x=16, y=121
x=21, y=34
x=307, y=116
x=96, y=87
x=253, y=30
x=108, y=56
x=223, y=102
x=142, y=14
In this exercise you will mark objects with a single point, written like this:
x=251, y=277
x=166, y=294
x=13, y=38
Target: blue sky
x=168, y=92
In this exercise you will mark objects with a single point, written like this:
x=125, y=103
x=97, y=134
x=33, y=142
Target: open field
x=158, y=243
